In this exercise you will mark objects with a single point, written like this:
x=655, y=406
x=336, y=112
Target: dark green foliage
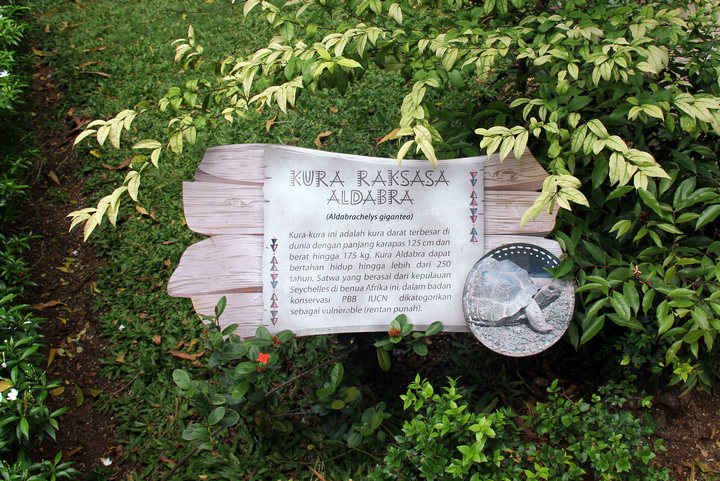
x=446, y=440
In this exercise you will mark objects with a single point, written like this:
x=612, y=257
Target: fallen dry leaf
x=57, y=391
x=141, y=210
x=80, y=399
x=165, y=459
x=184, y=355
x=318, y=139
x=120, y=358
x=320, y=476
x=333, y=110
x=268, y=123
x=102, y=74
x=94, y=49
x=74, y=451
x=95, y=392
x=125, y=163
x=5, y=385
x=85, y=64
x=51, y=356
x=391, y=136
x=47, y=28
x=47, y=304
x=39, y=53
x=157, y=339
x=65, y=26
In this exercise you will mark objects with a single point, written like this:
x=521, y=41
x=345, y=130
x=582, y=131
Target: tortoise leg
x=536, y=318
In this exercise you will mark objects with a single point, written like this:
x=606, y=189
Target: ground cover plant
x=24, y=415
x=185, y=386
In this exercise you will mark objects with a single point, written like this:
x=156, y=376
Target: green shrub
x=617, y=100
x=446, y=440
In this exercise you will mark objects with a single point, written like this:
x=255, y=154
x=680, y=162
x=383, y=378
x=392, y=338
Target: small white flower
x=122, y=326
x=75, y=253
x=106, y=461
x=12, y=395
x=4, y=73
x=3, y=365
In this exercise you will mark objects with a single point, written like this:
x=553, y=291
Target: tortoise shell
x=497, y=292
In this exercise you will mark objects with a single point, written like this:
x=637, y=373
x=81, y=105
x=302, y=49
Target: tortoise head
x=549, y=294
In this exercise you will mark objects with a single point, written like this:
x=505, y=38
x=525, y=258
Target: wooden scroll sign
x=318, y=243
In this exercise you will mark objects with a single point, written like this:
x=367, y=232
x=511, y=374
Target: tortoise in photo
x=499, y=293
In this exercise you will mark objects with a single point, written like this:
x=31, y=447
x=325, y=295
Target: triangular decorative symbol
x=274, y=284
x=274, y=240
x=274, y=267
x=274, y=304
x=474, y=202
x=274, y=247
x=473, y=232
x=274, y=320
x=274, y=313
x=473, y=195
x=274, y=297
x=473, y=239
x=274, y=276
x=473, y=211
x=473, y=173
x=474, y=218
x=473, y=182
x=274, y=260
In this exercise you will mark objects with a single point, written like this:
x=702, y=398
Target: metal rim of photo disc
x=514, y=335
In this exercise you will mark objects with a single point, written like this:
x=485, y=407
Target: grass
x=107, y=64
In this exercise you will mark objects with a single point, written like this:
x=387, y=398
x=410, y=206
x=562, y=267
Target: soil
x=64, y=267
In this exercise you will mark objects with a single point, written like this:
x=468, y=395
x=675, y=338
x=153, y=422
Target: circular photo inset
x=513, y=305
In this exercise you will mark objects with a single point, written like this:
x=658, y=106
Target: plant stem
x=188, y=455
x=305, y=373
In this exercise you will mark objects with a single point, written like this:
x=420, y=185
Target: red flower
x=263, y=358
x=275, y=340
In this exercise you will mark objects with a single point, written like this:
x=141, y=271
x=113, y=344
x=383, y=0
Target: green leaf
x=350, y=395
x=708, y=215
x=621, y=226
x=148, y=144
x=631, y=294
x=620, y=321
x=650, y=201
x=578, y=103
x=83, y=135
x=216, y=415
x=383, y=359
x=245, y=368
x=182, y=379
x=666, y=323
x=420, y=349
x=337, y=375
x=434, y=328
x=338, y=404
x=671, y=353
x=621, y=305
x=354, y=439
x=324, y=392
x=596, y=252
x=231, y=418
x=593, y=329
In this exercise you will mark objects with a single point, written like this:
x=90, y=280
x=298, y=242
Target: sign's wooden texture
x=226, y=202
